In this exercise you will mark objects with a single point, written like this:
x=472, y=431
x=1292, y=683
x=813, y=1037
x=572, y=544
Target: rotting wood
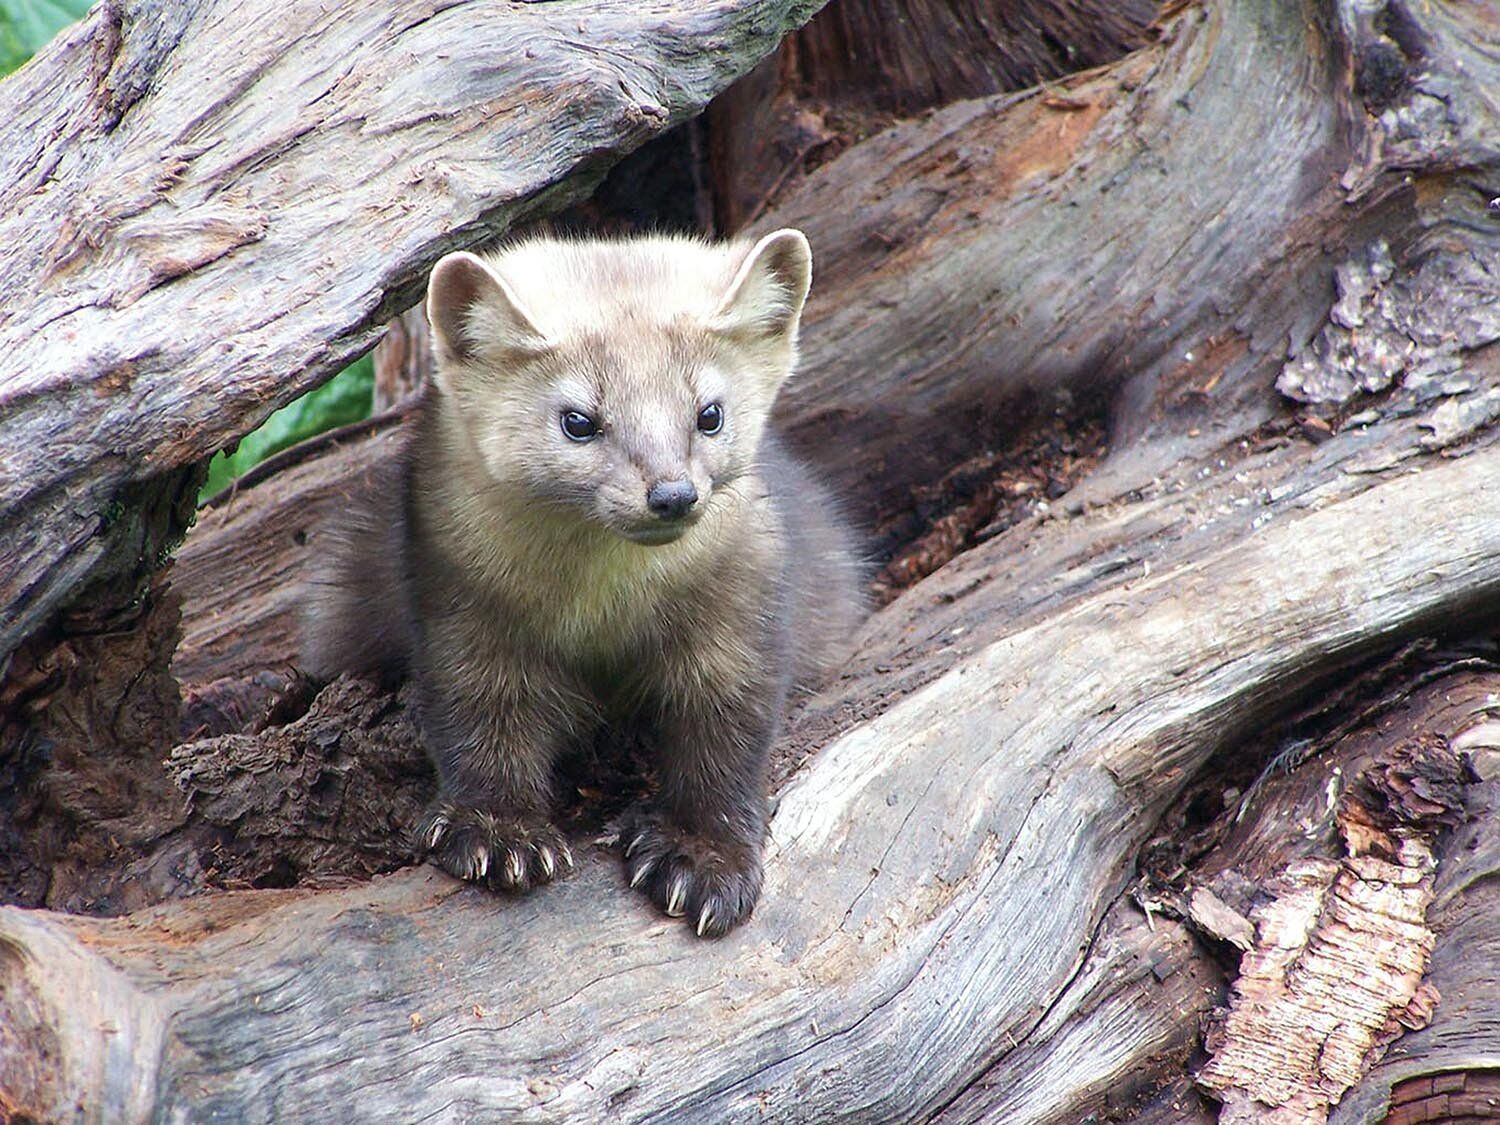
x=859, y=64
x=1170, y=241
x=1451, y=1067
x=1050, y=570
x=403, y=359
x=1029, y=772
x=1125, y=1054
x=1336, y=969
x=1457, y=1096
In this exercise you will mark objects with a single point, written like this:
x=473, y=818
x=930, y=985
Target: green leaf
x=12, y=54
x=345, y=398
x=26, y=26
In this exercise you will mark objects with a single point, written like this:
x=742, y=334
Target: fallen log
x=1120, y=1041
x=1151, y=238
x=1450, y=1065
x=1028, y=773
x=860, y=64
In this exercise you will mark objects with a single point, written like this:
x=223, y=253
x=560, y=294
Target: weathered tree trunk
x=205, y=209
x=1170, y=688
x=403, y=359
x=937, y=879
x=1164, y=229
x=863, y=63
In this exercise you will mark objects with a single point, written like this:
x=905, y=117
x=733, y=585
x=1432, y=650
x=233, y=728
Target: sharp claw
x=481, y=862
x=435, y=833
x=567, y=856
x=549, y=865
x=674, y=899
x=705, y=917
x=630, y=847
x=641, y=872
x=513, y=866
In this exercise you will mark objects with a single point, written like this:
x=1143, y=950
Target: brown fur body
x=529, y=588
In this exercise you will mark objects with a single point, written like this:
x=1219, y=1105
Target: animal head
x=626, y=381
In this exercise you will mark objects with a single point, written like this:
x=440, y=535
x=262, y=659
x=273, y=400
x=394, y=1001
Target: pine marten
x=593, y=524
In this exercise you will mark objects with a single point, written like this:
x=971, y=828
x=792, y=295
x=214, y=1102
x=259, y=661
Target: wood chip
x=1218, y=919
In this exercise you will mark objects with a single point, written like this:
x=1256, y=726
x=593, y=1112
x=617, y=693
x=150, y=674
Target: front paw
x=507, y=851
x=713, y=882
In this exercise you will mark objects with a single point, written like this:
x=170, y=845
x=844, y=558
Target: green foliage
x=343, y=399
x=26, y=26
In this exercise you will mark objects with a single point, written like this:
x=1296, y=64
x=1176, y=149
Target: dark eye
x=579, y=426
x=711, y=419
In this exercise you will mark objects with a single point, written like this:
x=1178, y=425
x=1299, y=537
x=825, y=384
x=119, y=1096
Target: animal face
x=627, y=383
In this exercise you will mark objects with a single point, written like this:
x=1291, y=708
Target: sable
x=592, y=524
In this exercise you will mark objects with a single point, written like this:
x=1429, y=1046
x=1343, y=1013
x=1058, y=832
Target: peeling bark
x=1337, y=968
x=1029, y=771
x=1157, y=235
x=860, y=64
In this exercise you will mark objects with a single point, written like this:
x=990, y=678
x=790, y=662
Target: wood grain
x=1450, y=1066
x=961, y=813
x=1156, y=238
x=907, y=868
x=1334, y=972
x=859, y=64
x=249, y=555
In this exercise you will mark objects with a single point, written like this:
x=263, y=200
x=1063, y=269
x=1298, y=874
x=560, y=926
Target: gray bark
x=936, y=878
x=1156, y=235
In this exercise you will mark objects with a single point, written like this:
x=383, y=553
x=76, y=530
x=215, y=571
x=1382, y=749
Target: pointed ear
x=470, y=307
x=768, y=291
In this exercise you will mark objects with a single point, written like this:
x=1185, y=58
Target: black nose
x=670, y=499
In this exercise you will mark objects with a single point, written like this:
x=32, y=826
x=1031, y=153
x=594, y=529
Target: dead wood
x=1151, y=983
x=1334, y=965
x=403, y=359
x=250, y=553
x=860, y=64
x=1446, y=1064
x=1166, y=236
x=1029, y=771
